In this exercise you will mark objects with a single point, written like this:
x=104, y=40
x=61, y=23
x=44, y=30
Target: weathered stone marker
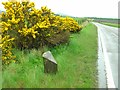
x=50, y=65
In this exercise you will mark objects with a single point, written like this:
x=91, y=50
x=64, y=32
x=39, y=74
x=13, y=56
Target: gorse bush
x=59, y=38
x=71, y=25
x=25, y=27
x=6, y=44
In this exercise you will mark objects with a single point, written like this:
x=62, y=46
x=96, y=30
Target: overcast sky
x=80, y=8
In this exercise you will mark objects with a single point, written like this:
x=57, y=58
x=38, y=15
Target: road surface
x=109, y=44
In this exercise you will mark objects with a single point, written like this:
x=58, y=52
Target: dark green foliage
x=59, y=38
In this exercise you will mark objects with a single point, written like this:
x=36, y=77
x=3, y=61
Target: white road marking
x=103, y=37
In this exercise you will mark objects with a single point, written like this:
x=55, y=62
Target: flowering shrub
x=24, y=26
x=71, y=25
x=6, y=45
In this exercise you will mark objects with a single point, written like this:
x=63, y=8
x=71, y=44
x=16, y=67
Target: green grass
x=77, y=65
x=80, y=20
x=111, y=24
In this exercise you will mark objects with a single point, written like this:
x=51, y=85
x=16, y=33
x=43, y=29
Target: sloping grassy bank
x=77, y=64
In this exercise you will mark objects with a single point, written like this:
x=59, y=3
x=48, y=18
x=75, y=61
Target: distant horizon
x=78, y=17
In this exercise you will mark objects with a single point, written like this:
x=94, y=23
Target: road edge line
x=110, y=81
x=101, y=58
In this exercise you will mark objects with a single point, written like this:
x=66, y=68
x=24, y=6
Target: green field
x=111, y=24
x=77, y=65
x=114, y=22
x=80, y=20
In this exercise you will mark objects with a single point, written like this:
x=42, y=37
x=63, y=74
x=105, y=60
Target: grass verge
x=111, y=24
x=77, y=64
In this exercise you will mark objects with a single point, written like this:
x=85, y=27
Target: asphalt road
x=109, y=44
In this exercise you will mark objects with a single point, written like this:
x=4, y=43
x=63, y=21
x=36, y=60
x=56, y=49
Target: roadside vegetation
x=77, y=64
x=25, y=27
x=80, y=20
x=28, y=32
